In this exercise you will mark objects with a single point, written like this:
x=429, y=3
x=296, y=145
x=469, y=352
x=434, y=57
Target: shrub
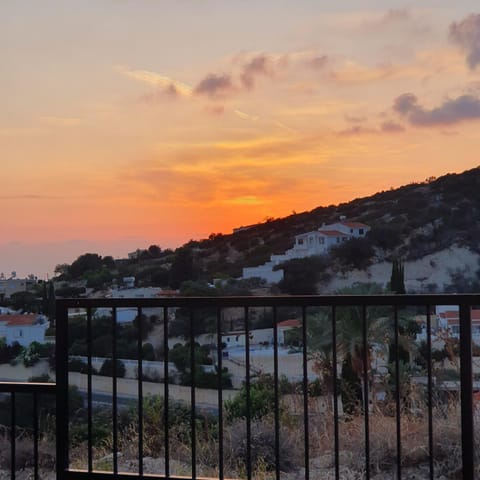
x=354, y=253
x=262, y=399
x=262, y=443
x=107, y=368
x=302, y=274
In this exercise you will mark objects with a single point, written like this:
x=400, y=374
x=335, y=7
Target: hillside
x=418, y=223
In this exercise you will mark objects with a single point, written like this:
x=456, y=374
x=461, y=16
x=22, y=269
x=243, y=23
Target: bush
x=354, y=253
x=107, y=368
x=77, y=365
x=262, y=399
x=262, y=443
x=301, y=275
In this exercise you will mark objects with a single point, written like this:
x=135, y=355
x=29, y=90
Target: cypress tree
x=397, y=278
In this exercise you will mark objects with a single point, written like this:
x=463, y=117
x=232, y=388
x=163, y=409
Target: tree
x=354, y=253
x=320, y=344
x=25, y=301
x=154, y=251
x=85, y=263
x=301, y=275
x=397, y=278
x=182, y=267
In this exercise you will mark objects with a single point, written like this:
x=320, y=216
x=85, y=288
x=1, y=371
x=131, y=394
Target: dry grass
x=382, y=442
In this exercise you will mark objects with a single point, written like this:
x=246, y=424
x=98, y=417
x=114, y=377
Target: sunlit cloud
x=246, y=116
x=168, y=84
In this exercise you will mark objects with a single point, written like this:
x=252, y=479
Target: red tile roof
x=452, y=316
x=293, y=322
x=354, y=224
x=333, y=233
x=19, y=320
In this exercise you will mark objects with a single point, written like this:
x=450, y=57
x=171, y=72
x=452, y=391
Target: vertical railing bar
x=429, y=393
x=61, y=363
x=335, y=393
x=220, y=395
x=306, y=444
x=366, y=401
x=466, y=388
x=89, y=390
x=397, y=393
x=114, y=391
x=276, y=394
x=192, y=395
x=13, y=434
x=35, y=435
x=140, y=390
x=247, y=387
x=166, y=392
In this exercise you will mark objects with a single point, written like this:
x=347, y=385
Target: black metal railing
x=23, y=424
x=154, y=407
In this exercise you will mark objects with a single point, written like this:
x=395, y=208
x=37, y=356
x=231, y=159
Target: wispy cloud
x=246, y=116
x=61, y=121
x=392, y=127
x=466, y=34
x=385, y=128
x=246, y=200
x=31, y=196
x=451, y=111
x=167, y=84
x=356, y=130
x=259, y=65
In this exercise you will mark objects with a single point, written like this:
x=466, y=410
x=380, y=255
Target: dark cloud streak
x=215, y=85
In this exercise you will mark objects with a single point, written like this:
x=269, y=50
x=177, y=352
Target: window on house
x=300, y=241
x=360, y=231
x=351, y=230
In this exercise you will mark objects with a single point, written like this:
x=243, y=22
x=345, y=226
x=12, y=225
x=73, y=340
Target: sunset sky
x=130, y=122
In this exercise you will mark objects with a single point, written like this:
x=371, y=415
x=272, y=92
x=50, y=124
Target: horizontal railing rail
x=182, y=448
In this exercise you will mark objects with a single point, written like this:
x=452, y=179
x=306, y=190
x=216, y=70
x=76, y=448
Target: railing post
x=466, y=388
x=61, y=367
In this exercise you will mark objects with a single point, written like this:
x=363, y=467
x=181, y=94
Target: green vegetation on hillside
x=408, y=222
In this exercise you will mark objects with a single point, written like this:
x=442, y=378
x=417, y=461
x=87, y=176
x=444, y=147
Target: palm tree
x=320, y=346
x=356, y=350
x=359, y=332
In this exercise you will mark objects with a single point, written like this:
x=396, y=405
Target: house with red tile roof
x=450, y=320
x=23, y=328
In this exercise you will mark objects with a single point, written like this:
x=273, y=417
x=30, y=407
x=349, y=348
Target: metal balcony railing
x=22, y=424
x=174, y=418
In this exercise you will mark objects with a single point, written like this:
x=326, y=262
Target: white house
x=260, y=336
x=317, y=242
x=23, y=329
